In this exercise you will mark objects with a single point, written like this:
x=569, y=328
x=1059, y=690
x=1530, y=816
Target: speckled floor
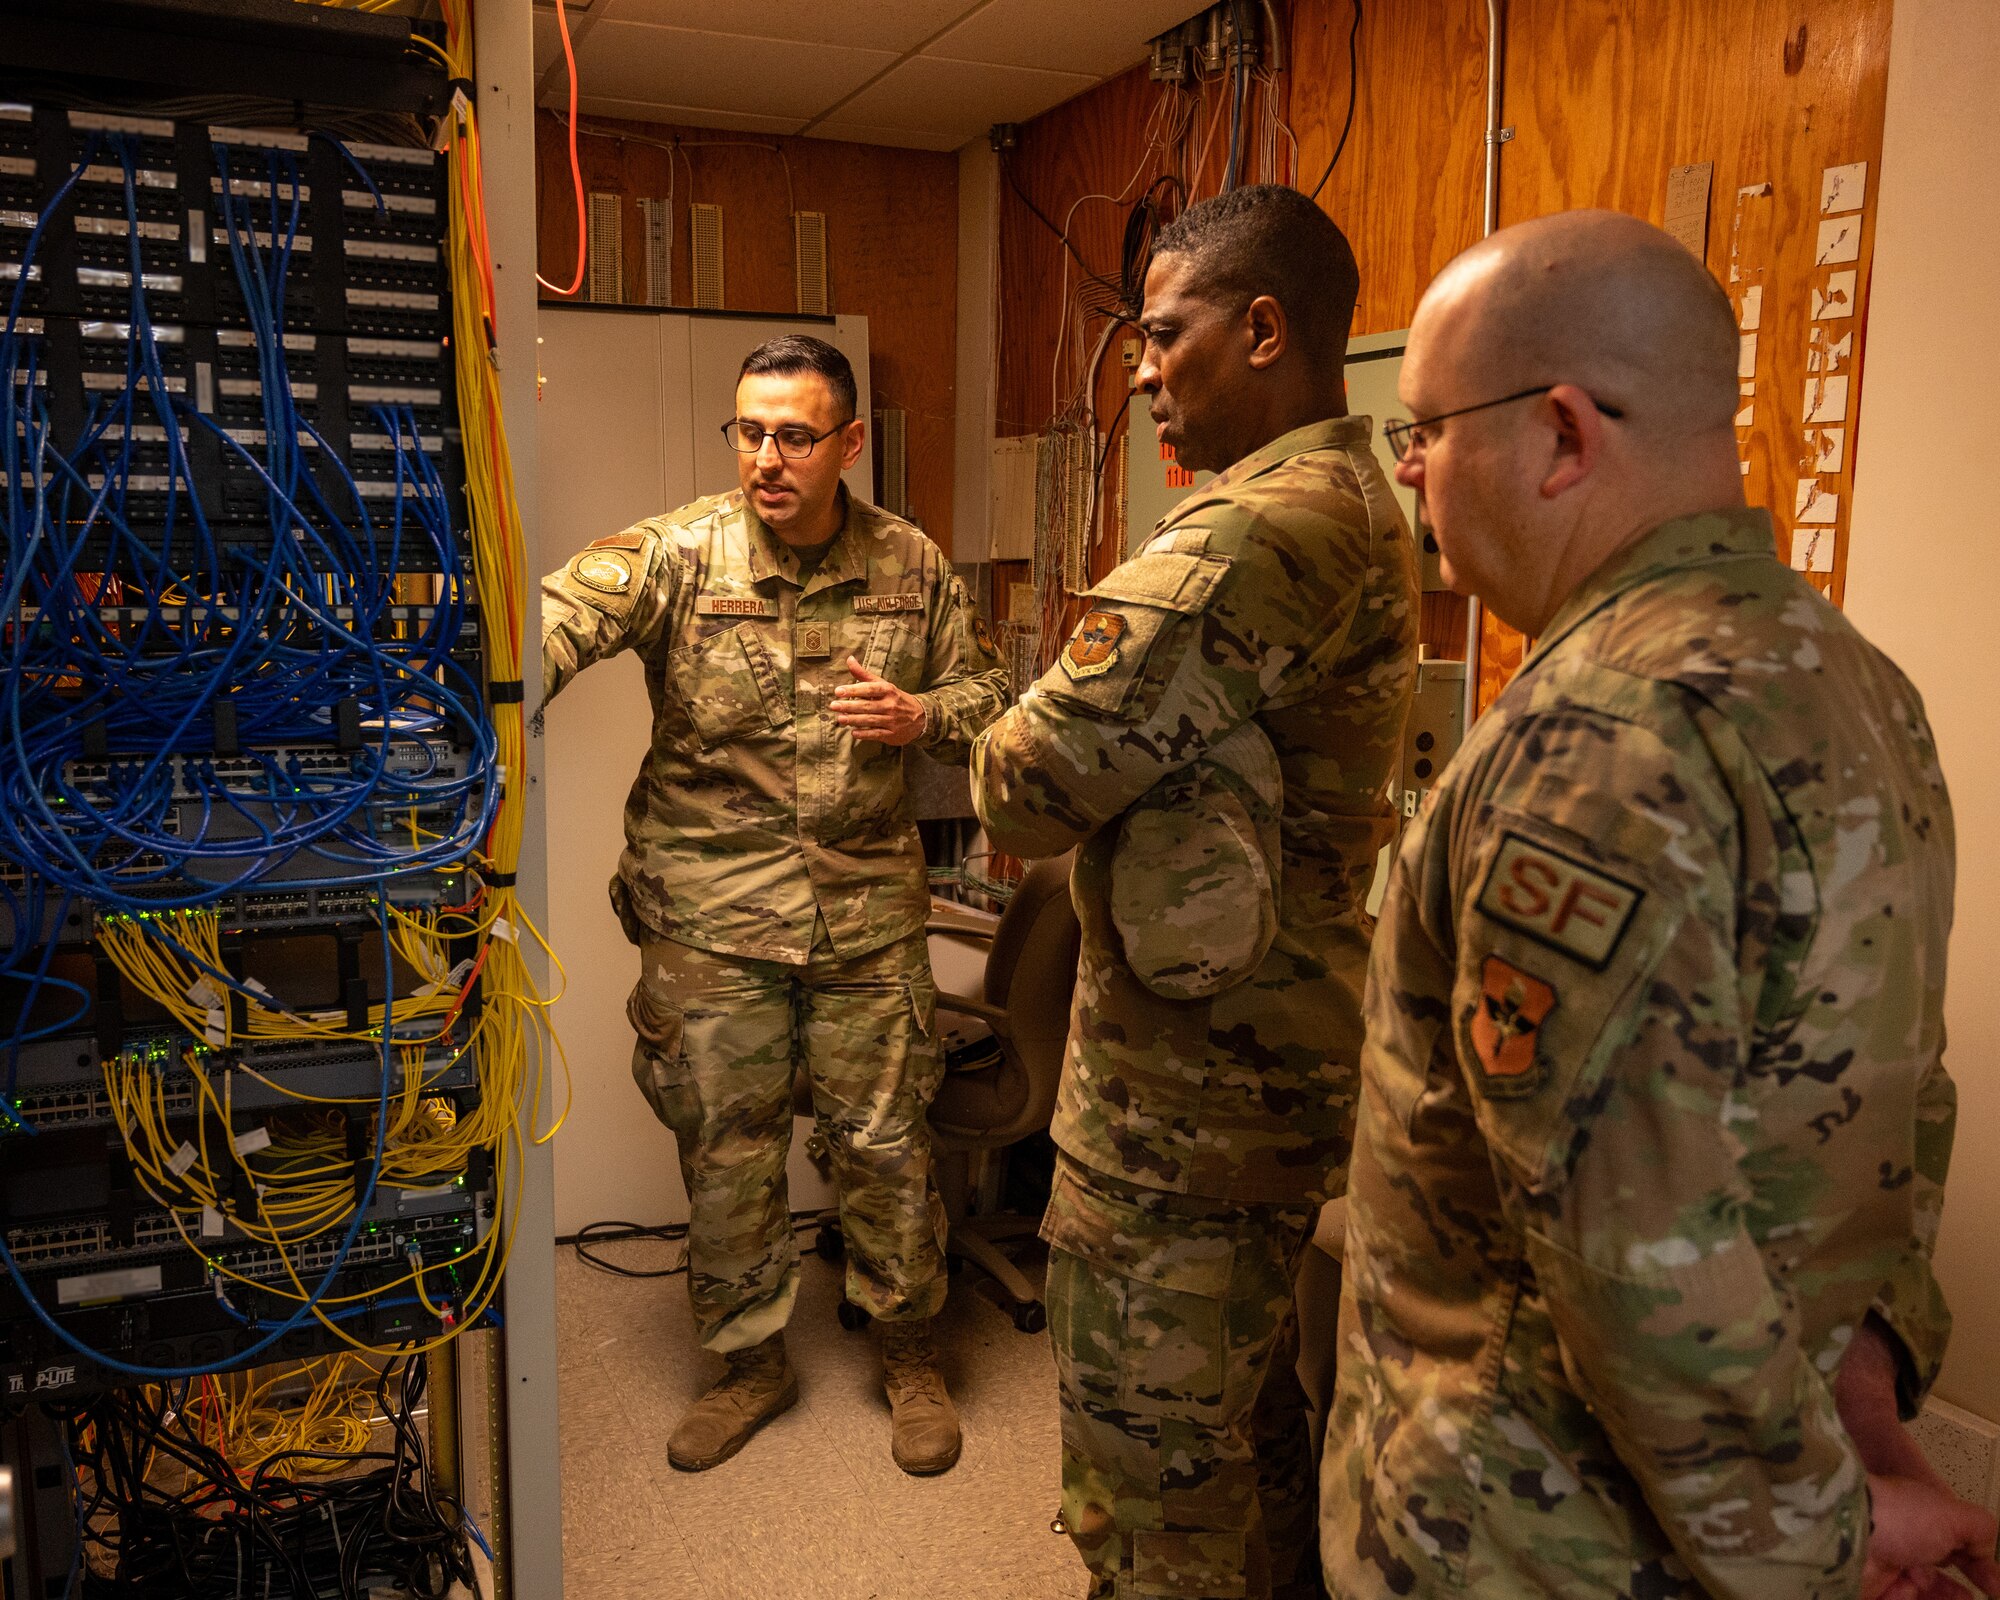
x=813, y=1507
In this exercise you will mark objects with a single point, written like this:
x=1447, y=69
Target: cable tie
x=505, y=692
x=495, y=880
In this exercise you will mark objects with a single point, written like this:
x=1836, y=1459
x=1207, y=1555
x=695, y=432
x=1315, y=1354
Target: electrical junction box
x=1374, y=364
x=1154, y=481
x=1437, y=725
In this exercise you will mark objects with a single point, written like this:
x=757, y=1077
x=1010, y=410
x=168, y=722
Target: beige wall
x=1920, y=569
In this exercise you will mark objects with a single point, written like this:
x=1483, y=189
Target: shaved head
x=1572, y=385
x=1600, y=300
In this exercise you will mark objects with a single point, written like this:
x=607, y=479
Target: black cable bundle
x=225, y=1535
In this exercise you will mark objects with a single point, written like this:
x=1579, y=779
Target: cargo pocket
x=659, y=1062
x=729, y=686
x=1144, y=1322
x=1208, y=1564
x=1194, y=892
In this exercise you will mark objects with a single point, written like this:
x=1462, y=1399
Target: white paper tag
x=211, y=1223
x=258, y=990
x=204, y=992
x=250, y=1142
x=183, y=1158
x=504, y=930
x=216, y=1029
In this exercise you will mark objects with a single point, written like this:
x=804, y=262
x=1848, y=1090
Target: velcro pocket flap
x=1170, y=579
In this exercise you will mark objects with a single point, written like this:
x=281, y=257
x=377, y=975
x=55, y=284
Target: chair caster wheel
x=852, y=1317
x=828, y=1244
x=1031, y=1316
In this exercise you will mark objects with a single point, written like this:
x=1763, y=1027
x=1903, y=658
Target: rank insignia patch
x=1558, y=900
x=1093, y=648
x=1513, y=1005
x=812, y=641
x=603, y=571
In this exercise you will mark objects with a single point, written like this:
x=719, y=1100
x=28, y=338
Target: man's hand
x=1920, y=1526
x=874, y=708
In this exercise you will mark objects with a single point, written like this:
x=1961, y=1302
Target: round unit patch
x=603, y=570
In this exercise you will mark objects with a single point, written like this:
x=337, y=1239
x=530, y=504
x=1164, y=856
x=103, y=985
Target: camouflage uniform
x=775, y=881
x=1206, y=1107
x=1653, y=1112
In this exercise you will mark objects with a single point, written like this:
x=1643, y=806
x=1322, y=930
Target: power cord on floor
x=670, y=1233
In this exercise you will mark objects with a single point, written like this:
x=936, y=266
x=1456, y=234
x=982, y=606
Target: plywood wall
x=1604, y=97
x=892, y=247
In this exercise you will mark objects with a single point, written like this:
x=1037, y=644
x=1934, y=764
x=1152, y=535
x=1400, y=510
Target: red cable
x=575, y=171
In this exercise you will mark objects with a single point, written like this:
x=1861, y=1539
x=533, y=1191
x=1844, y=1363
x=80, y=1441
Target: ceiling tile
x=726, y=72
x=902, y=138
x=591, y=105
x=954, y=99
x=896, y=25
x=1061, y=35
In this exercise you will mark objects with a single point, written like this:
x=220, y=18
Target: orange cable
x=575, y=170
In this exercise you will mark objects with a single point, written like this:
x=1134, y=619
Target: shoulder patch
x=603, y=571
x=1512, y=1007
x=618, y=541
x=1093, y=648
x=985, y=637
x=871, y=604
x=1558, y=901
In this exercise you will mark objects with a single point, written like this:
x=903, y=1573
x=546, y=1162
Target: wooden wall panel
x=1604, y=97
x=892, y=250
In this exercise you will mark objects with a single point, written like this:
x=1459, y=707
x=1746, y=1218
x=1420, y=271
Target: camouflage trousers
x=720, y=1039
x=1187, y=1465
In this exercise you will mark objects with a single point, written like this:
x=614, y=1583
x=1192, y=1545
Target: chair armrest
x=995, y=1017
x=965, y=926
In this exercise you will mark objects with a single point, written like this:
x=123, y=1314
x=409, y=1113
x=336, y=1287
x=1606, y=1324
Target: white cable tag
x=504, y=930
x=204, y=992
x=455, y=979
x=197, y=235
x=250, y=1142
x=216, y=1029
x=211, y=1223
x=260, y=991
x=183, y=1158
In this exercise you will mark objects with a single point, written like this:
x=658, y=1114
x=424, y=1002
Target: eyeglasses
x=795, y=443
x=1402, y=435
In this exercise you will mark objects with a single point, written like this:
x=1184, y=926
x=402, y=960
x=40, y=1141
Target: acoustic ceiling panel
x=893, y=25
x=1060, y=35
x=721, y=71
x=957, y=98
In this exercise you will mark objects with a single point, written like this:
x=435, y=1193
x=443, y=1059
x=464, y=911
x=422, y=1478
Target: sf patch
x=1512, y=1007
x=1558, y=900
x=604, y=571
x=1093, y=648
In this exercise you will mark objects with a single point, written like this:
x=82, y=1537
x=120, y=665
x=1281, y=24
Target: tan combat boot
x=923, y=1423
x=757, y=1385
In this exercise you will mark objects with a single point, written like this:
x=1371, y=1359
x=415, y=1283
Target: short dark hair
x=1267, y=239
x=801, y=352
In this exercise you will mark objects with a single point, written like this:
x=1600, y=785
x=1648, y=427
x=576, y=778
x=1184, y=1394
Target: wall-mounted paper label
x=1827, y=353
x=1750, y=314
x=1812, y=503
x=1839, y=240
x=1829, y=448
x=1746, y=355
x=1812, y=549
x=1843, y=188
x=1826, y=400
x=1836, y=300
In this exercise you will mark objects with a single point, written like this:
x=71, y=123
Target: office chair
x=1031, y=953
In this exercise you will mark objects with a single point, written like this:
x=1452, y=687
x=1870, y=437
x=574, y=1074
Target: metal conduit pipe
x=1495, y=30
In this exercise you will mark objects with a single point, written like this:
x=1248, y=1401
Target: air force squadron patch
x=1093, y=648
x=1512, y=1007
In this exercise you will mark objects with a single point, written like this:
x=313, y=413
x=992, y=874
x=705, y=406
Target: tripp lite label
x=725, y=605
x=94, y=1288
x=45, y=1380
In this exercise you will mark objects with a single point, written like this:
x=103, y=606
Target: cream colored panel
x=730, y=72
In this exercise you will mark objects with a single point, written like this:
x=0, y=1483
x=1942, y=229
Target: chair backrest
x=1031, y=974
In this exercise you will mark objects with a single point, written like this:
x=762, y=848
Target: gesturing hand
x=874, y=708
x=1920, y=1528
